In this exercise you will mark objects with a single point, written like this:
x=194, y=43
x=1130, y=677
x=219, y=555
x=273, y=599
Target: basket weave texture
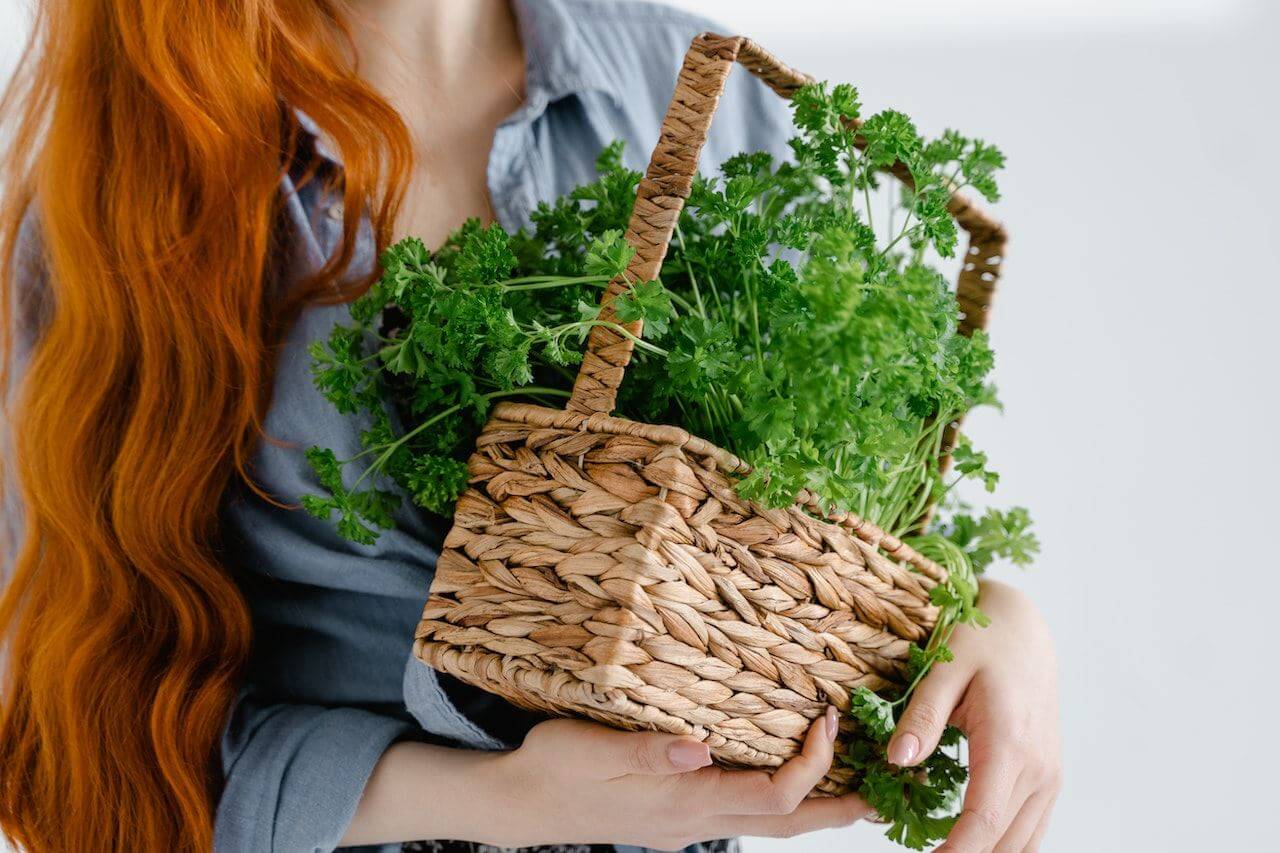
x=606, y=568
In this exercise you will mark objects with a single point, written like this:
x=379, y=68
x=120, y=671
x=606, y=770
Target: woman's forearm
x=419, y=791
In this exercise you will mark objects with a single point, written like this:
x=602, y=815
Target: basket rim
x=865, y=530
x=546, y=416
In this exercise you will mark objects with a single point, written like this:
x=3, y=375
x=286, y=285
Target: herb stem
x=693, y=279
x=391, y=448
x=548, y=282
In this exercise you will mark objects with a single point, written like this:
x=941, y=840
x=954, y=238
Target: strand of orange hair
x=146, y=142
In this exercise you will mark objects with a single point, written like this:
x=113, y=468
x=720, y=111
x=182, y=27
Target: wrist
x=421, y=791
x=490, y=777
x=475, y=790
x=509, y=788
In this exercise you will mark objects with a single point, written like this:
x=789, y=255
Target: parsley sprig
x=793, y=325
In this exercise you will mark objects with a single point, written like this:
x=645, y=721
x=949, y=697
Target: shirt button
x=335, y=212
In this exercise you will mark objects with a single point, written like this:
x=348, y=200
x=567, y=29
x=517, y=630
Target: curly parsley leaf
x=647, y=301
x=873, y=712
x=435, y=482
x=608, y=255
x=359, y=512
x=973, y=463
x=997, y=534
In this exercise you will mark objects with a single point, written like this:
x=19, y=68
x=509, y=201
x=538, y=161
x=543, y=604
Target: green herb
x=792, y=326
x=917, y=801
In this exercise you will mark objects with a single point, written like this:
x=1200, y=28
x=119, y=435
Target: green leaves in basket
x=996, y=534
x=441, y=335
x=608, y=255
x=647, y=301
x=798, y=323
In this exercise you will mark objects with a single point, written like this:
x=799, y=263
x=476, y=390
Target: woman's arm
x=581, y=783
x=293, y=773
x=1001, y=691
x=420, y=791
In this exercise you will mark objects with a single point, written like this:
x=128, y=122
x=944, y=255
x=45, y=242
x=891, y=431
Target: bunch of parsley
x=791, y=326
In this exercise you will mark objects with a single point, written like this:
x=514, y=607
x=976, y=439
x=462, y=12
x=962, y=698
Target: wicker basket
x=602, y=567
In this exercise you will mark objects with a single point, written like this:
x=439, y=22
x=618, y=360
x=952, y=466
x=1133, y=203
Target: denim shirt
x=332, y=681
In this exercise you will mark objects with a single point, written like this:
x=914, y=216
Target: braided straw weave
x=603, y=567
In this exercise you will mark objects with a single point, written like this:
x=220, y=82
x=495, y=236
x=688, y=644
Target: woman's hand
x=574, y=782
x=583, y=783
x=1001, y=691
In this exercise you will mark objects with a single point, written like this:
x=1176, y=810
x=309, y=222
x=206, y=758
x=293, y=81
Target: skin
x=453, y=69
x=577, y=782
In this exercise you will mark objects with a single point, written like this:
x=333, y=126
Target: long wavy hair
x=146, y=140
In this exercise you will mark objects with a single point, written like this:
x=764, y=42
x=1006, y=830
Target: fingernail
x=833, y=724
x=688, y=754
x=904, y=749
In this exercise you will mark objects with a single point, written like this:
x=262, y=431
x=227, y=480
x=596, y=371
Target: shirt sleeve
x=27, y=301
x=294, y=774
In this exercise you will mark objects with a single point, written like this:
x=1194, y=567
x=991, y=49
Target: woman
x=192, y=189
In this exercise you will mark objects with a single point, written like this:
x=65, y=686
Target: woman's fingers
x=1038, y=836
x=754, y=803
x=746, y=792
x=932, y=703
x=987, y=803
x=732, y=801
x=802, y=773
x=1017, y=838
x=811, y=815
x=605, y=753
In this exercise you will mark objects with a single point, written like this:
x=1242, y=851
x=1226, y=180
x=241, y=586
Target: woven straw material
x=607, y=568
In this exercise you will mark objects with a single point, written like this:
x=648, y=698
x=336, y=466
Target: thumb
x=646, y=753
x=920, y=727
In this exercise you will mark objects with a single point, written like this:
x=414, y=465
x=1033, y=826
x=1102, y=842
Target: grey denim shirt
x=332, y=682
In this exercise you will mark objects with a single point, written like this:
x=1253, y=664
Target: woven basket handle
x=667, y=183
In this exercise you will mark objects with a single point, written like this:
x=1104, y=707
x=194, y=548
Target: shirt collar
x=561, y=58
x=560, y=61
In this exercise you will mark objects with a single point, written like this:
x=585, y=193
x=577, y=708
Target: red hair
x=147, y=143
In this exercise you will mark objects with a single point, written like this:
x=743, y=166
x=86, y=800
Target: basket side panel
x=621, y=578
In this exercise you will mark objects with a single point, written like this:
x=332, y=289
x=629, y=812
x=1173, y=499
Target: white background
x=1136, y=336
